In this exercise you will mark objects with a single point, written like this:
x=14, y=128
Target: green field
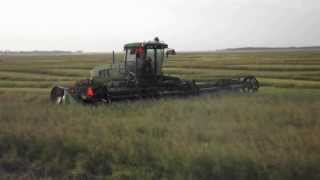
x=273, y=134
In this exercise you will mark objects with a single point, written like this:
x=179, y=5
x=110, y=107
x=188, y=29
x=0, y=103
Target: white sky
x=102, y=25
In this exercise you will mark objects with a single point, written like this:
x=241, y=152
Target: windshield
x=155, y=56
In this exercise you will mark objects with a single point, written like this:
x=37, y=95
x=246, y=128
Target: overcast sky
x=102, y=25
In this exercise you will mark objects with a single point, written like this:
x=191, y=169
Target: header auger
x=141, y=76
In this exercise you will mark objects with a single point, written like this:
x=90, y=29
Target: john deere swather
x=140, y=76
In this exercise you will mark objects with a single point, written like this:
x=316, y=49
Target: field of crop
x=273, y=134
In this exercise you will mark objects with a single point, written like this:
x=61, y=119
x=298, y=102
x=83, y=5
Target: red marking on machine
x=90, y=92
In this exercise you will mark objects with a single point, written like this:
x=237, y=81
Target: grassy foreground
x=229, y=136
x=273, y=134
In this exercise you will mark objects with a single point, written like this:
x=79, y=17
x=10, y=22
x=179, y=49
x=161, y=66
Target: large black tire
x=251, y=85
x=56, y=95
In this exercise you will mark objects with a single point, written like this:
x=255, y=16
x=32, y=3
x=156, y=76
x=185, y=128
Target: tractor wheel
x=251, y=85
x=107, y=100
x=56, y=95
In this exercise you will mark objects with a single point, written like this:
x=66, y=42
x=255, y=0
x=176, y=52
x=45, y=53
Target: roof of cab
x=146, y=44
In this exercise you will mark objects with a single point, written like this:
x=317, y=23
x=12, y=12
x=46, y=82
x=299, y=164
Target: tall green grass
x=224, y=136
